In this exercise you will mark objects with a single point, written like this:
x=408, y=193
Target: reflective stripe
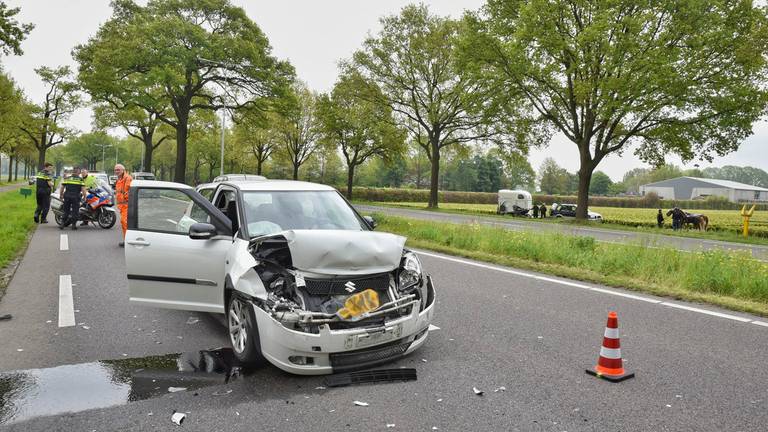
x=610, y=353
x=611, y=333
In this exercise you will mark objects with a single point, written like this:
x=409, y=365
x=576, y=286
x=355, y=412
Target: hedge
x=649, y=201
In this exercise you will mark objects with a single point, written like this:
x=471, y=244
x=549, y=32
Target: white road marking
x=600, y=290
x=66, y=302
x=63, y=242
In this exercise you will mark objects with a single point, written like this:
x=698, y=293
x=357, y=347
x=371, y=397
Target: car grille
x=338, y=286
x=368, y=357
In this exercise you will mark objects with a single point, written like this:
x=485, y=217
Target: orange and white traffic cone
x=609, y=364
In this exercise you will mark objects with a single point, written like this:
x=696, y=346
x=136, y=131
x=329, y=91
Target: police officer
x=44, y=185
x=72, y=190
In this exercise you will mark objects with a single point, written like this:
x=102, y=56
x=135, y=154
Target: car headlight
x=410, y=271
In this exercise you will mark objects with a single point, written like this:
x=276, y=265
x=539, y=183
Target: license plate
x=359, y=304
x=382, y=336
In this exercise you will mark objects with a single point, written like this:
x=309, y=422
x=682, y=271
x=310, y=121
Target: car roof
x=277, y=185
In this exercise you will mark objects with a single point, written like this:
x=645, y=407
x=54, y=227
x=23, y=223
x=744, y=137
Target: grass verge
x=16, y=224
x=724, y=236
x=732, y=280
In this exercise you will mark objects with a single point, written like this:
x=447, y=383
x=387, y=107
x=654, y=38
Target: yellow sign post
x=746, y=214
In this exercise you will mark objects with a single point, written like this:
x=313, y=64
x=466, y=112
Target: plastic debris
x=216, y=393
x=320, y=388
x=125, y=355
x=669, y=406
x=20, y=349
x=500, y=389
x=6, y=317
x=86, y=328
x=678, y=396
x=362, y=404
x=192, y=320
x=390, y=425
x=423, y=360
x=434, y=428
x=149, y=414
x=178, y=418
x=440, y=400
x=540, y=337
x=477, y=391
x=237, y=412
x=176, y=389
x=48, y=322
x=433, y=327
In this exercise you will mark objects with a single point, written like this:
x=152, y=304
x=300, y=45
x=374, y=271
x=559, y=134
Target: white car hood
x=344, y=252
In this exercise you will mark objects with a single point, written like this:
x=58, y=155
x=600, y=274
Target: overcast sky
x=313, y=35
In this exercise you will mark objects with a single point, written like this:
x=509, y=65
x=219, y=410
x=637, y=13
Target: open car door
x=166, y=267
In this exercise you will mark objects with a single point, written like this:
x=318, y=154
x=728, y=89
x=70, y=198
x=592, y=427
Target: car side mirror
x=370, y=221
x=202, y=231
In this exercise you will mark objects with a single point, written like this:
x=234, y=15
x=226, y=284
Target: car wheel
x=243, y=331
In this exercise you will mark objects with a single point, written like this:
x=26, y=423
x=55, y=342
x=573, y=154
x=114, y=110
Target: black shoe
x=36, y=219
x=121, y=244
x=44, y=221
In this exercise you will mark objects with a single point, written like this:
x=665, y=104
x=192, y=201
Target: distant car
x=569, y=211
x=143, y=176
x=238, y=177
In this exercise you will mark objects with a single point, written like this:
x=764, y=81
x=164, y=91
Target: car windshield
x=269, y=212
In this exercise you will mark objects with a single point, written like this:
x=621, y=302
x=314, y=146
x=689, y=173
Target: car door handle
x=138, y=243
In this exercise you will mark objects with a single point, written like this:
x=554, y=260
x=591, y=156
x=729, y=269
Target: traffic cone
x=609, y=364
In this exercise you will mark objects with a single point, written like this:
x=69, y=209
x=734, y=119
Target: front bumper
x=332, y=351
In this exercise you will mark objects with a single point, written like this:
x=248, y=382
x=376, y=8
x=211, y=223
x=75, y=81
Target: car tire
x=243, y=331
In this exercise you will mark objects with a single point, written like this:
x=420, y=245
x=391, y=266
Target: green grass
x=722, y=225
x=15, y=225
x=732, y=280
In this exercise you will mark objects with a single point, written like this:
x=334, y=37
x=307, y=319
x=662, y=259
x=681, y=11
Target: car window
x=167, y=210
x=207, y=193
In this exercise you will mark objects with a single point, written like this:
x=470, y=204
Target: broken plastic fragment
x=669, y=406
x=362, y=404
x=500, y=389
x=433, y=327
x=178, y=418
x=192, y=320
x=477, y=391
x=319, y=388
x=7, y=317
x=390, y=425
x=19, y=349
x=423, y=360
x=216, y=393
x=176, y=389
x=86, y=328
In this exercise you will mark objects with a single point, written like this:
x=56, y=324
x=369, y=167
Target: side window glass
x=168, y=210
x=207, y=193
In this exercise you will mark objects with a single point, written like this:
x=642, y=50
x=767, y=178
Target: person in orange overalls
x=122, y=187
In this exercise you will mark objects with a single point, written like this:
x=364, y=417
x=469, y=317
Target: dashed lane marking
x=595, y=289
x=66, y=302
x=63, y=242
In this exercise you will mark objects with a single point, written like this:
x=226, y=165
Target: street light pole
x=223, y=125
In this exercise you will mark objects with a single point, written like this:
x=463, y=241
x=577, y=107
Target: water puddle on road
x=25, y=394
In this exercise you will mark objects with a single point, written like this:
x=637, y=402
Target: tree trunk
x=585, y=177
x=350, y=179
x=258, y=166
x=182, y=131
x=435, y=174
x=41, y=158
x=16, y=170
x=295, y=171
x=10, y=168
x=148, y=153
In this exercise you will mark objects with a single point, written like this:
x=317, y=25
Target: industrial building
x=687, y=188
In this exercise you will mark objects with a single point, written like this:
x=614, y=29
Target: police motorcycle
x=98, y=206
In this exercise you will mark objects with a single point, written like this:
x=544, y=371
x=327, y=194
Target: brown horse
x=681, y=218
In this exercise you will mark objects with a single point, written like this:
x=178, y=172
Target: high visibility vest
x=42, y=181
x=122, y=187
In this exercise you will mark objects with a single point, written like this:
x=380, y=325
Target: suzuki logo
x=350, y=286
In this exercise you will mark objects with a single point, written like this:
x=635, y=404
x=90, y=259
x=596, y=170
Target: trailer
x=514, y=202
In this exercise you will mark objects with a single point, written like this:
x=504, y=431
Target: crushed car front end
x=329, y=301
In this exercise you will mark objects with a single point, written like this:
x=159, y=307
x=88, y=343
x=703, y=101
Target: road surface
x=524, y=339
x=600, y=234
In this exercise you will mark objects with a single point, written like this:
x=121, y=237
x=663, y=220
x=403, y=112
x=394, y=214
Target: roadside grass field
x=16, y=223
x=722, y=221
x=730, y=279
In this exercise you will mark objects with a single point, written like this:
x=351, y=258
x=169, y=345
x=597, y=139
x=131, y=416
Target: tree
x=136, y=122
x=11, y=31
x=257, y=133
x=360, y=128
x=600, y=184
x=414, y=61
x=747, y=175
x=669, y=77
x=187, y=54
x=553, y=179
x=298, y=127
x=86, y=149
x=45, y=125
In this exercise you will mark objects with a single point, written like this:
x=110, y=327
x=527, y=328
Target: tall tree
x=298, y=127
x=600, y=184
x=258, y=134
x=45, y=126
x=553, y=179
x=414, y=61
x=667, y=76
x=359, y=128
x=189, y=54
x=136, y=122
x=11, y=31
x=86, y=149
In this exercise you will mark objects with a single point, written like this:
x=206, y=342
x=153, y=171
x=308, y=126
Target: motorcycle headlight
x=410, y=271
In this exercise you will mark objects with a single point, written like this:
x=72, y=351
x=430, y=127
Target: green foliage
x=600, y=183
x=188, y=54
x=665, y=76
x=12, y=33
x=86, y=149
x=16, y=223
x=554, y=179
x=747, y=175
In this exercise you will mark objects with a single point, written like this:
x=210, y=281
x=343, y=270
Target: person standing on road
x=543, y=210
x=535, y=211
x=72, y=189
x=122, y=187
x=90, y=183
x=44, y=185
x=660, y=219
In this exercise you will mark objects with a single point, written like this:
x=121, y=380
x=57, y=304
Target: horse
x=681, y=218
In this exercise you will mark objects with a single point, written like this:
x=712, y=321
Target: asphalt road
x=600, y=234
x=701, y=369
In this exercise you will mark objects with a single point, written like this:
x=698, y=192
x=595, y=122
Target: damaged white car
x=303, y=280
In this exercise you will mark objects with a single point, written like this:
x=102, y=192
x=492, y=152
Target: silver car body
x=167, y=268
